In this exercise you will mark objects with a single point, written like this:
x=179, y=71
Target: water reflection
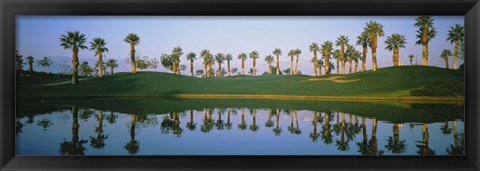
x=342, y=133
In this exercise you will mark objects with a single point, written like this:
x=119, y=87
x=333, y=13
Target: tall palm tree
x=411, y=56
x=337, y=55
x=30, y=63
x=254, y=55
x=425, y=33
x=374, y=30
x=297, y=52
x=219, y=58
x=210, y=60
x=203, y=54
x=277, y=52
x=365, y=42
x=342, y=41
x=243, y=57
x=98, y=45
x=191, y=57
x=349, y=55
x=228, y=58
x=445, y=54
x=314, y=48
x=291, y=53
x=327, y=48
x=356, y=56
x=177, y=51
x=73, y=40
x=395, y=42
x=456, y=35
x=269, y=60
x=112, y=63
x=133, y=40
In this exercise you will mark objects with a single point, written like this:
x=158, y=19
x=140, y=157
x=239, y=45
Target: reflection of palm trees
x=342, y=145
x=326, y=132
x=394, y=144
x=277, y=130
x=294, y=129
x=177, y=129
x=269, y=122
x=18, y=126
x=254, y=127
x=446, y=129
x=458, y=148
x=207, y=122
x=423, y=145
x=133, y=145
x=191, y=125
x=219, y=124
x=74, y=147
x=314, y=135
x=369, y=147
x=112, y=118
x=228, y=124
x=44, y=123
x=99, y=141
x=242, y=125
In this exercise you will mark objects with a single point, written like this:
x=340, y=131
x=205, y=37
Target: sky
x=38, y=36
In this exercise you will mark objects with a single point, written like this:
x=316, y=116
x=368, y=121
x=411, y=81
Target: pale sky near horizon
x=38, y=36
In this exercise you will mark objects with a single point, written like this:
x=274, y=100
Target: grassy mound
x=385, y=82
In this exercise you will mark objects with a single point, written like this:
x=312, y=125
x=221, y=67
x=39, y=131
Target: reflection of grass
x=386, y=111
x=386, y=82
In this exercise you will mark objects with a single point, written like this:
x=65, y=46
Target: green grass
x=386, y=82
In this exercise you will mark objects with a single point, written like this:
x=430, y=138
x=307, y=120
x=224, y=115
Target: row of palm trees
x=346, y=130
x=367, y=39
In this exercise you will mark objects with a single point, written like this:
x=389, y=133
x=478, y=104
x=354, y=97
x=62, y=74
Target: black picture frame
x=11, y=8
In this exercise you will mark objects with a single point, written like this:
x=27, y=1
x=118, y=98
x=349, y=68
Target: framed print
x=215, y=85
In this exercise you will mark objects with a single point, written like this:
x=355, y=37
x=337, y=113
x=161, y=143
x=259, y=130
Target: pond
x=155, y=126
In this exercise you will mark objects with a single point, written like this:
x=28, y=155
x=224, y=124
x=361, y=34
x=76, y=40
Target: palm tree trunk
x=111, y=70
x=269, y=68
x=320, y=70
x=132, y=58
x=296, y=66
x=455, y=54
x=228, y=63
x=278, y=66
x=219, y=73
x=351, y=66
x=364, y=58
x=411, y=62
x=356, y=66
x=446, y=61
x=30, y=66
x=100, y=64
x=205, y=69
x=425, y=46
x=191, y=67
x=243, y=66
x=327, y=62
x=291, y=65
x=254, y=72
x=338, y=64
x=342, y=52
x=315, y=61
x=75, y=66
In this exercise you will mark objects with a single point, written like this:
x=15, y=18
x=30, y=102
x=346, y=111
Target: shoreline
x=263, y=96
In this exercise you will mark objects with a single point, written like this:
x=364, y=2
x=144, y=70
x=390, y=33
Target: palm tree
x=445, y=54
x=269, y=122
x=254, y=127
x=277, y=52
x=291, y=53
x=456, y=35
x=191, y=57
x=242, y=125
x=99, y=141
x=219, y=58
x=269, y=60
x=423, y=145
x=411, y=56
x=228, y=58
x=395, y=145
x=425, y=33
x=191, y=125
x=204, y=54
x=356, y=56
x=374, y=30
x=337, y=55
x=342, y=41
x=30, y=63
x=210, y=60
x=314, y=48
x=349, y=55
x=254, y=55
x=277, y=130
x=74, y=147
x=394, y=42
x=73, y=40
x=177, y=51
x=242, y=56
x=297, y=52
x=133, y=145
x=98, y=45
x=327, y=48
x=133, y=40
x=112, y=63
x=365, y=42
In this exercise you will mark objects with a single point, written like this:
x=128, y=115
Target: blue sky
x=38, y=36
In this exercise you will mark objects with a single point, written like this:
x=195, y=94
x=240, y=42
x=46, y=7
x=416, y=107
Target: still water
x=238, y=127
